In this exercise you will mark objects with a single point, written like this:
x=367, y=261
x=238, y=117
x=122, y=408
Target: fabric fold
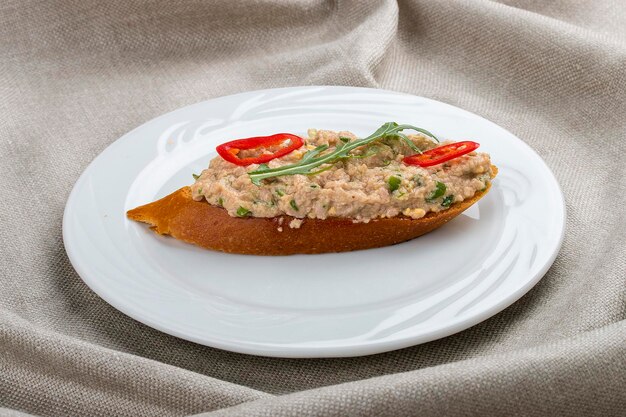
x=100, y=381
x=526, y=382
x=76, y=75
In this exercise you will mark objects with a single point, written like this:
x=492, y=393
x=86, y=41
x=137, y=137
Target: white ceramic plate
x=345, y=304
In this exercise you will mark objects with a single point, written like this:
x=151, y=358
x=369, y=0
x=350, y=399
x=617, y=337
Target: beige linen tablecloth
x=76, y=75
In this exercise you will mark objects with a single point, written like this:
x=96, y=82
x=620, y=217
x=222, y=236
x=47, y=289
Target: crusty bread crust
x=212, y=227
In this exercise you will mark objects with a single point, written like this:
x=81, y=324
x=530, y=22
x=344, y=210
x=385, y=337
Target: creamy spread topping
x=373, y=183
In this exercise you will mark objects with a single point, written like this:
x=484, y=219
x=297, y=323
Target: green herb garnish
x=195, y=176
x=315, y=158
x=280, y=193
x=319, y=171
x=437, y=192
x=393, y=183
x=313, y=185
x=220, y=202
x=243, y=212
x=372, y=151
x=447, y=201
x=293, y=205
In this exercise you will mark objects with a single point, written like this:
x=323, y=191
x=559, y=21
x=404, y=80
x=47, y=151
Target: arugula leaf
x=315, y=158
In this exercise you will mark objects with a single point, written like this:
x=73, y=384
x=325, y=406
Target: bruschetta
x=327, y=192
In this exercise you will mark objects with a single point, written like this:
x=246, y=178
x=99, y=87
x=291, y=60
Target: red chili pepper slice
x=229, y=150
x=441, y=154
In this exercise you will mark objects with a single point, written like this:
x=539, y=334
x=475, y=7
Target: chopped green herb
x=313, y=185
x=220, y=202
x=243, y=212
x=447, y=201
x=280, y=193
x=195, y=176
x=393, y=183
x=344, y=139
x=263, y=167
x=438, y=192
x=293, y=205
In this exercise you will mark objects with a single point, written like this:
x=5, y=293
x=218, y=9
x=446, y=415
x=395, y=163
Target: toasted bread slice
x=211, y=227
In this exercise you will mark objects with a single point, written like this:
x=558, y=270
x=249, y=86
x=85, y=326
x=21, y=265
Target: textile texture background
x=76, y=75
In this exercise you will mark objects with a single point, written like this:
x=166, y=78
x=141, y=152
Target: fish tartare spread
x=331, y=175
